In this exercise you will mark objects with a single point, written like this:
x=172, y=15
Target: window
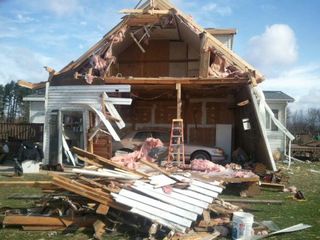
x=269, y=123
x=164, y=137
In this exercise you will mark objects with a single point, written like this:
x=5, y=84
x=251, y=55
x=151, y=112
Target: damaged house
x=157, y=65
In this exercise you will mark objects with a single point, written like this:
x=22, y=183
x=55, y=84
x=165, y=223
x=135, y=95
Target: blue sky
x=279, y=37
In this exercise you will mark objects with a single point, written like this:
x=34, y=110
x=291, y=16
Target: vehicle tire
x=200, y=155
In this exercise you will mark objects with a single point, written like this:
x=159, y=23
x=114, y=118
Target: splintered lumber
x=43, y=228
x=273, y=185
x=99, y=185
x=155, y=167
x=102, y=209
x=84, y=221
x=145, y=11
x=99, y=229
x=173, y=81
x=104, y=161
x=87, y=192
x=263, y=201
x=89, y=162
x=30, y=85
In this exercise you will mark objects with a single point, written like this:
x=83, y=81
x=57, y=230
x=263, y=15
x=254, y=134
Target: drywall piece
x=224, y=138
x=161, y=205
x=155, y=211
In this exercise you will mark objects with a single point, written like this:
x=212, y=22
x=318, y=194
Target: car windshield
x=164, y=137
x=141, y=136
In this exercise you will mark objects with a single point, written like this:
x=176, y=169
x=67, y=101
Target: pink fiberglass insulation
x=130, y=160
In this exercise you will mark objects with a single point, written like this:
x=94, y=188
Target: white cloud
x=276, y=47
x=20, y=63
x=302, y=83
x=215, y=8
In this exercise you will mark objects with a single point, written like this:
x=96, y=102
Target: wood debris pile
x=108, y=196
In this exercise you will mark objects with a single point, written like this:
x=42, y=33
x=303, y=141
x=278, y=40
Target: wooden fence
x=18, y=132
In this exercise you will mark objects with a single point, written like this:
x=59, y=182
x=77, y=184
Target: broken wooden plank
x=99, y=229
x=204, y=56
x=272, y=185
x=102, y=209
x=174, y=80
x=104, y=161
x=43, y=228
x=30, y=85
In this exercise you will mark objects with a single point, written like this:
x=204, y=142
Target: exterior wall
x=36, y=112
x=277, y=138
x=227, y=40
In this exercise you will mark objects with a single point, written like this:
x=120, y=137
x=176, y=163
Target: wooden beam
x=179, y=102
x=145, y=11
x=173, y=81
x=30, y=85
x=204, y=56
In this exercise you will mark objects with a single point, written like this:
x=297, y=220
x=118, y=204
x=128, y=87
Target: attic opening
x=159, y=45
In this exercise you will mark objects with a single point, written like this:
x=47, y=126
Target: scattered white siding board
x=166, y=198
x=106, y=123
x=195, y=195
x=155, y=211
x=161, y=205
x=113, y=111
x=159, y=220
x=198, y=200
x=203, y=191
x=112, y=174
x=93, y=88
x=207, y=186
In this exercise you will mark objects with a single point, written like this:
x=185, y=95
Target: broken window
x=269, y=123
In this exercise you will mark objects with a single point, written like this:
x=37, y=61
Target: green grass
x=291, y=212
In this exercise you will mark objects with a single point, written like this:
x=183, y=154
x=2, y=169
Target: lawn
x=291, y=212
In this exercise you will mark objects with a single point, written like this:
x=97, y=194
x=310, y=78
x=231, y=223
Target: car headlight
x=217, y=151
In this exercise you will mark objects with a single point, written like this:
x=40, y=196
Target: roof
x=183, y=20
x=222, y=31
x=277, y=96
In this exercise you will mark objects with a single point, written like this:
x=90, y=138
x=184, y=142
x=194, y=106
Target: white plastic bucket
x=241, y=225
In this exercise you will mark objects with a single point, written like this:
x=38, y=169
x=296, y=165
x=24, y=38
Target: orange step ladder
x=176, y=144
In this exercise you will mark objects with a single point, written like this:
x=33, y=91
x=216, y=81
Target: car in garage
x=134, y=140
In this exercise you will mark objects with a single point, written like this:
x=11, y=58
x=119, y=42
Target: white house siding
x=226, y=40
x=277, y=138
